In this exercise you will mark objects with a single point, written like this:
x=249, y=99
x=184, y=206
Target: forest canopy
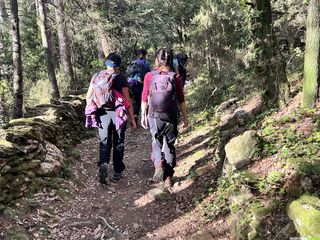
x=224, y=40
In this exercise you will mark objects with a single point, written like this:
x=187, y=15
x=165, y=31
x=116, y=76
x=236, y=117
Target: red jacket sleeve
x=179, y=85
x=145, y=91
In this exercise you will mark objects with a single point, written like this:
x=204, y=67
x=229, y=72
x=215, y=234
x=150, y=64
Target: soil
x=82, y=208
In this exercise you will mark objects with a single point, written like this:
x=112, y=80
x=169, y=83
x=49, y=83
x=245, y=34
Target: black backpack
x=137, y=68
x=182, y=60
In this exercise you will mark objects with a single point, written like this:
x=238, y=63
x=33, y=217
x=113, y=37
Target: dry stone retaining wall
x=33, y=146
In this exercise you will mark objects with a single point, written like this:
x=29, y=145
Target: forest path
x=124, y=210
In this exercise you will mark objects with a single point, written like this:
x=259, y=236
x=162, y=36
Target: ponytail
x=164, y=57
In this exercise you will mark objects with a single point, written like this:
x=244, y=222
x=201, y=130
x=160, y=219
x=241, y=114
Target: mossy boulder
x=7, y=149
x=240, y=150
x=305, y=213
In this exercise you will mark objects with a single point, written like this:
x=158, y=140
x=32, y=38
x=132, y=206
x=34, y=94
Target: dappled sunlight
x=143, y=201
x=185, y=165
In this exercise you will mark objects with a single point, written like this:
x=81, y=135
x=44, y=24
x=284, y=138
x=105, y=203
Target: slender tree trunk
x=311, y=55
x=270, y=67
x=17, y=62
x=52, y=46
x=65, y=54
x=3, y=16
x=45, y=31
x=3, y=12
x=104, y=43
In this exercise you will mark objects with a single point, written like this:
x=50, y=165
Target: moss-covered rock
x=305, y=213
x=25, y=166
x=241, y=149
x=36, y=145
x=7, y=148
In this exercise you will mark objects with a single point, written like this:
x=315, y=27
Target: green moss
x=15, y=233
x=305, y=214
x=6, y=143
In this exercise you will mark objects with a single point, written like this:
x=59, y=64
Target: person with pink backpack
x=108, y=106
x=162, y=97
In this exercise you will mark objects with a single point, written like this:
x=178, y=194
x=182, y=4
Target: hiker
x=108, y=106
x=163, y=96
x=182, y=60
x=136, y=72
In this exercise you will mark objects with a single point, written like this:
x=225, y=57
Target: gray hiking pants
x=163, y=135
x=110, y=137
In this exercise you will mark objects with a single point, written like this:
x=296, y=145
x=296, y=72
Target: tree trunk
x=17, y=63
x=64, y=45
x=3, y=12
x=45, y=33
x=104, y=43
x=311, y=56
x=270, y=64
x=3, y=16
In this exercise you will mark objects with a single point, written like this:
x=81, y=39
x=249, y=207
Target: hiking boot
x=116, y=176
x=103, y=173
x=168, y=182
x=158, y=174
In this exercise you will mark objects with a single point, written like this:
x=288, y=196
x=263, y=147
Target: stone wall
x=33, y=146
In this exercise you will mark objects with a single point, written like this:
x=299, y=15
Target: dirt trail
x=122, y=210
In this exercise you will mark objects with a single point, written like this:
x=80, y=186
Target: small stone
x=136, y=226
x=5, y=169
x=159, y=194
x=306, y=184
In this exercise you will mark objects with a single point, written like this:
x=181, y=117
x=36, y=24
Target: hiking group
x=157, y=96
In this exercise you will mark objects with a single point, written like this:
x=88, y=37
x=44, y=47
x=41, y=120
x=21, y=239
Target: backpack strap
x=157, y=72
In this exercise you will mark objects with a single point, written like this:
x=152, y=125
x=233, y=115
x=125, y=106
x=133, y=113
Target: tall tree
x=311, y=56
x=270, y=66
x=65, y=54
x=3, y=16
x=45, y=33
x=102, y=38
x=17, y=62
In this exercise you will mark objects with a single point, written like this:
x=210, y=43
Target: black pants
x=136, y=91
x=163, y=135
x=110, y=137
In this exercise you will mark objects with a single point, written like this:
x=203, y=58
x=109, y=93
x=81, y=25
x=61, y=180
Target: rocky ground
x=81, y=208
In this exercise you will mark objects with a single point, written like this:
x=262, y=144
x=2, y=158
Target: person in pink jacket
x=162, y=97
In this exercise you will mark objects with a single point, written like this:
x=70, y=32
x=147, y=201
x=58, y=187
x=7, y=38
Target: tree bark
x=3, y=12
x=104, y=43
x=45, y=33
x=65, y=54
x=3, y=16
x=17, y=62
x=270, y=64
x=311, y=56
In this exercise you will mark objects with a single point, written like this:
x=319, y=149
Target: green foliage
x=66, y=172
x=294, y=148
x=14, y=233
